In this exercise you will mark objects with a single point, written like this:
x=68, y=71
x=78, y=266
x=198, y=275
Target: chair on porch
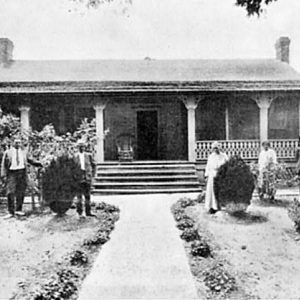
x=125, y=148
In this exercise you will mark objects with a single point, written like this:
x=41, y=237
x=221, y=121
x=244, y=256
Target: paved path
x=145, y=258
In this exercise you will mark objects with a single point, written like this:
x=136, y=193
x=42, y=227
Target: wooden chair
x=125, y=148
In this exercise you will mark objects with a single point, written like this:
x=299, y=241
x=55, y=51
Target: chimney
x=6, y=51
x=282, y=47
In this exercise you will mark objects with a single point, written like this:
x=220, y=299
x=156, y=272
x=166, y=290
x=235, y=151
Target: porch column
x=99, y=109
x=24, y=116
x=191, y=104
x=263, y=102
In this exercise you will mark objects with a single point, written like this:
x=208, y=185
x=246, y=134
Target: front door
x=147, y=135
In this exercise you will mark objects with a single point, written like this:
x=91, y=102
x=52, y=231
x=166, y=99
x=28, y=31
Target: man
x=87, y=166
x=267, y=178
x=13, y=171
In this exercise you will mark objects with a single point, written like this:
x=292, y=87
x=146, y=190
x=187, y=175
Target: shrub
x=185, y=202
x=185, y=223
x=78, y=257
x=61, y=181
x=234, y=185
x=99, y=239
x=294, y=213
x=189, y=234
x=200, y=248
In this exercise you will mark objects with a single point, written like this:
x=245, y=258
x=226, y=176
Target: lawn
x=259, y=250
x=34, y=248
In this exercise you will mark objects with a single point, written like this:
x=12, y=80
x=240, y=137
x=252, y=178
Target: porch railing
x=248, y=149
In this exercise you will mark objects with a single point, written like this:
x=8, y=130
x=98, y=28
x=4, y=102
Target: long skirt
x=210, y=198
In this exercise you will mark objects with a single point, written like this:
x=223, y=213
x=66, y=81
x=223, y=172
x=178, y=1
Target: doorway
x=147, y=135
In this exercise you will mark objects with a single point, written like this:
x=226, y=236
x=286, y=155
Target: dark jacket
x=89, y=165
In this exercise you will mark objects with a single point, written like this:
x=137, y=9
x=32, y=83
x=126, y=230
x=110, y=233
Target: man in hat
x=13, y=171
x=87, y=165
x=266, y=164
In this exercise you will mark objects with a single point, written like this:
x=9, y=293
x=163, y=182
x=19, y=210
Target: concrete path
x=145, y=258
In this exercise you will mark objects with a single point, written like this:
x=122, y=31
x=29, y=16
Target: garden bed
x=259, y=250
x=43, y=256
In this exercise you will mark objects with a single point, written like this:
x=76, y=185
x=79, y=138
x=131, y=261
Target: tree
x=253, y=7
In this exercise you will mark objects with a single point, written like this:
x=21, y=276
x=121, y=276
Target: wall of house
x=284, y=117
x=121, y=118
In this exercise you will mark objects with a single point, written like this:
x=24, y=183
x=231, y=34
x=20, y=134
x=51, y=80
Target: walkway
x=145, y=258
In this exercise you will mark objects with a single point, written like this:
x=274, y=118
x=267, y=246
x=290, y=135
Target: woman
x=267, y=178
x=215, y=160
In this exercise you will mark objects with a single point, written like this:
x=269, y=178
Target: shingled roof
x=148, y=74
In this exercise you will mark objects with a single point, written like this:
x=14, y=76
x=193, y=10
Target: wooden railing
x=248, y=149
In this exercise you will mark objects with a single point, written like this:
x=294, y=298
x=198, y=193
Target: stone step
x=145, y=191
x=145, y=166
x=153, y=172
x=143, y=184
x=141, y=177
x=146, y=162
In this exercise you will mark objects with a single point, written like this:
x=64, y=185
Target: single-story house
x=171, y=109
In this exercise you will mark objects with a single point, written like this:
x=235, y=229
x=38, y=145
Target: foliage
x=60, y=183
x=294, y=213
x=190, y=234
x=78, y=257
x=253, y=7
x=185, y=223
x=234, y=184
x=185, y=202
x=218, y=280
x=200, y=248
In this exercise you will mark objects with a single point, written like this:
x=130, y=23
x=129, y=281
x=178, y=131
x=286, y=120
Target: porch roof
x=148, y=74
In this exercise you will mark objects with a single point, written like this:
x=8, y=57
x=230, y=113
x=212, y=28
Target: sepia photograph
x=149, y=149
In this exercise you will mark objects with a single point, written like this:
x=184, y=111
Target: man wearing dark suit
x=13, y=171
x=87, y=165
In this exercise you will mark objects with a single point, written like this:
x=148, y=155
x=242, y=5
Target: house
x=171, y=109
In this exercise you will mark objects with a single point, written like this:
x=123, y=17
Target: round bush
x=185, y=223
x=189, y=234
x=200, y=248
x=234, y=185
x=294, y=213
x=61, y=181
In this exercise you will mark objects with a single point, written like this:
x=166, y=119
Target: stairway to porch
x=145, y=177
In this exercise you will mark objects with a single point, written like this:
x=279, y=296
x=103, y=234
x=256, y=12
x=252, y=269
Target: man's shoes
x=91, y=215
x=20, y=213
x=8, y=216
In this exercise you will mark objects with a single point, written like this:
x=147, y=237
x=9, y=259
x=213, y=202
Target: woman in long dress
x=267, y=178
x=215, y=160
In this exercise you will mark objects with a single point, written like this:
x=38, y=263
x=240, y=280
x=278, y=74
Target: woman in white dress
x=215, y=160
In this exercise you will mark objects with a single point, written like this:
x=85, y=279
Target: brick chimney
x=282, y=47
x=6, y=51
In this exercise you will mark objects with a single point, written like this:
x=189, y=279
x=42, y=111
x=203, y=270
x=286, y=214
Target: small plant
x=189, y=234
x=218, y=280
x=294, y=213
x=200, y=248
x=185, y=223
x=99, y=239
x=185, y=202
x=234, y=185
x=60, y=182
x=78, y=257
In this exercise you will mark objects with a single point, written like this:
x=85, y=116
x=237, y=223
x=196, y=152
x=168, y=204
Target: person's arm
x=34, y=162
x=93, y=164
x=274, y=157
x=3, y=166
x=208, y=166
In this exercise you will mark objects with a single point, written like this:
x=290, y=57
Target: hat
x=216, y=145
x=267, y=143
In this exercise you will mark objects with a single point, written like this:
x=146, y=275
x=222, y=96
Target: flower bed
x=60, y=276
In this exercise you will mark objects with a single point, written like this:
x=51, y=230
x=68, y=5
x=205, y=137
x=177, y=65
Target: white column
x=24, y=110
x=191, y=105
x=99, y=109
x=226, y=123
x=263, y=101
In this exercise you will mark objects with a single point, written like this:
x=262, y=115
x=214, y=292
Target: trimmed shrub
x=234, y=185
x=61, y=182
x=294, y=213
x=185, y=223
x=78, y=257
x=185, y=202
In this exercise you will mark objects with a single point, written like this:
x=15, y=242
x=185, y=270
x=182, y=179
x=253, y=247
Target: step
x=145, y=167
x=149, y=172
x=145, y=183
x=147, y=177
x=146, y=162
x=145, y=191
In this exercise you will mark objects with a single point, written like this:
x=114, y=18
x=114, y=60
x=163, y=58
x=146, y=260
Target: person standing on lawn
x=267, y=178
x=87, y=165
x=13, y=172
x=215, y=160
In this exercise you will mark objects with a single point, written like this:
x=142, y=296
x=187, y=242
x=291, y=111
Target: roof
x=80, y=75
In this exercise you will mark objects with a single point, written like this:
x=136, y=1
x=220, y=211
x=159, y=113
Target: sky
x=160, y=29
